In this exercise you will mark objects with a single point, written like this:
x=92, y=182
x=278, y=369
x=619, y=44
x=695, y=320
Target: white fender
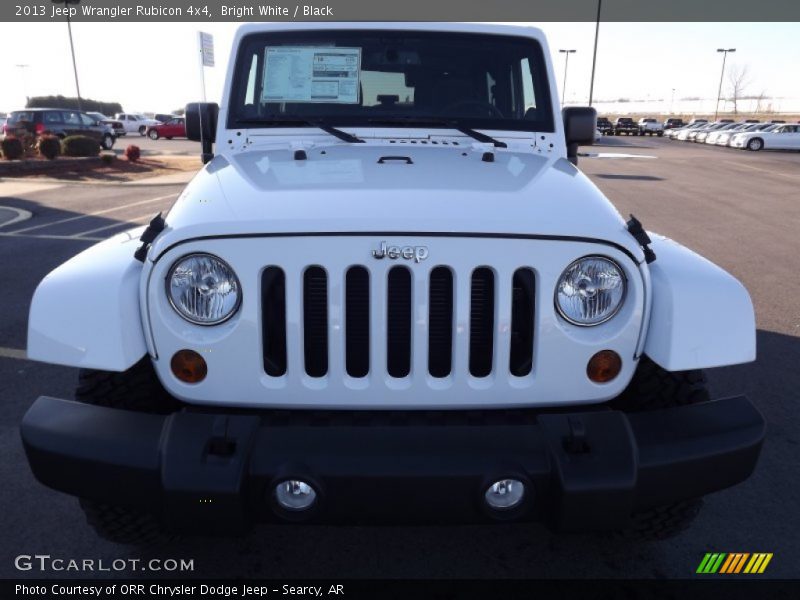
x=85, y=313
x=701, y=316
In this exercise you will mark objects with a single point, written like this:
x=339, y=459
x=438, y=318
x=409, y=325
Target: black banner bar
x=730, y=588
x=401, y=10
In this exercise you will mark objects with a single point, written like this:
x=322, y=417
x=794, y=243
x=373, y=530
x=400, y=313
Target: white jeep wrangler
x=390, y=296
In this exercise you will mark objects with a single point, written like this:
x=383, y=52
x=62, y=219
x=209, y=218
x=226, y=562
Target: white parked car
x=390, y=294
x=683, y=132
x=135, y=123
x=782, y=137
x=725, y=137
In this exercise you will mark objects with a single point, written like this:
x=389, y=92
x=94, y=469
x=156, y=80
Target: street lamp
x=594, y=54
x=566, y=64
x=66, y=4
x=672, y=102
x=722, y=75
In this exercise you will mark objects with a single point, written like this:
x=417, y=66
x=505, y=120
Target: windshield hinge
x=640, y=235
x=155, y=227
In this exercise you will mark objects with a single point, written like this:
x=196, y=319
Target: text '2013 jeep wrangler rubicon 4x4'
x=390, y=296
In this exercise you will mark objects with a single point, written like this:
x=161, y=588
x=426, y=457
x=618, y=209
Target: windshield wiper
x=411, y=121
x=319, y=123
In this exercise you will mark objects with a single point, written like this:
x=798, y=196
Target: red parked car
x=173, y=128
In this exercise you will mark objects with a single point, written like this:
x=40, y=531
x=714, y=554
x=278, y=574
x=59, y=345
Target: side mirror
x=201, y=125
x=580, y=123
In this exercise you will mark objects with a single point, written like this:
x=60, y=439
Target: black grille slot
x=481, y=321
x=522, y=311
x=357, y=322
x=440, y=322
x=315, y=317
x=273, y=320
x=398, y=323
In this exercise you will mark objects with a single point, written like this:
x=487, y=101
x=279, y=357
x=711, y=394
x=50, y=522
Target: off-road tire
x=139, y=390
x=650, y=389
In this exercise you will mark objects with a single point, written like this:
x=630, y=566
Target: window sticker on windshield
x=303, y=74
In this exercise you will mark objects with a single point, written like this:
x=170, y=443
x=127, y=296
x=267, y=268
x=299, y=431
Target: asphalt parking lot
x=177, y=146
x=739, y=209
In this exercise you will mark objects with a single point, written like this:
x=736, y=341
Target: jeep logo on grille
x=417, y=253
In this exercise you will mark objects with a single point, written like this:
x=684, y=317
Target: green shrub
x=108, y=158
x=80, y=145
x=12, y=148
x=49, y=146
x=132, y=153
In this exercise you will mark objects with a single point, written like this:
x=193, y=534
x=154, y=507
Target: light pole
x=672, y=102
x=566, y=64
x=594, y=55
x=66, y=4
x=721, y=77
x=24, y=82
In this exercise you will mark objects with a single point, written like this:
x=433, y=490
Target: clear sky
x=153, y=66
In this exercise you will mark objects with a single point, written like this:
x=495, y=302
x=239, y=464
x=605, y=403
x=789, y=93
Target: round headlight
x=590, y=291
x=203, y=289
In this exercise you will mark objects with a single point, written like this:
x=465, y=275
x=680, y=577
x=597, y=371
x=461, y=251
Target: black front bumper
x=203, y=471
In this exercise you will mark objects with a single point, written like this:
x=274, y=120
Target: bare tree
x=738, y=80
x=760, y=100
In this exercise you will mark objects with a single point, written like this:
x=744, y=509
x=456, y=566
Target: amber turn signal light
x=189, y=366
x=604, y=366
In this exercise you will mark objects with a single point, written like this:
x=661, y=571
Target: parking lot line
x=132, y=221
x=13, y=353
x=22, y=215
x=770, y=171
x=46, y=236
x=96, y=213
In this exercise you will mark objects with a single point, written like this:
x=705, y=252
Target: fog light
x=505, y=494
x=604, y=366
x=295, y=494
x=189, y=366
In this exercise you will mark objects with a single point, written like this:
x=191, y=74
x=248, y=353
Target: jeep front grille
x=383, y=312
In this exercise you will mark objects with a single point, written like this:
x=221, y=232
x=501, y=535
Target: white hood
x=393, y=187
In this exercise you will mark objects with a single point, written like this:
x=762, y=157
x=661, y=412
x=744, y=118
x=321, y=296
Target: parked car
x=782, y=137
x=116, y=126
x=695, y=121
x=692, y=135
x=60, y=122
x=625, y=125
x=175, y=127
x=651, y=127
x=164, y=117
x=328, y=330
x=703, y=134
x=135, y=123
x=604, y=126
x=711, y=137
x=683, y=133
x=726, y=137
x=673, y=123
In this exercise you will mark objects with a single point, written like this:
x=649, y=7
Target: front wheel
x=142, y=130
x=755, y=144
x=153, y=134
x=108, y=141
x=138, y=390
x=653, y=388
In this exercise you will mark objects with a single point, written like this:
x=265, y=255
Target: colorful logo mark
x=734, y=563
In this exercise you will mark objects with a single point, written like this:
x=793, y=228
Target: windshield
x=385, y=77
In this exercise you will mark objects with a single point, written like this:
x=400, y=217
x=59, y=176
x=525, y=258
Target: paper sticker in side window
x=303, y=74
